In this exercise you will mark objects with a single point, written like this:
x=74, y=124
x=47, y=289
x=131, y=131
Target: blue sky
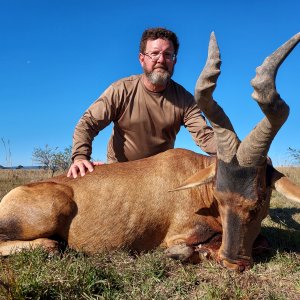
x=57, y=57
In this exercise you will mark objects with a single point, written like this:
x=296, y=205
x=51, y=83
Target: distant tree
x=44, y=157
x=52, y=159
x=63, y=159
x=295, y=154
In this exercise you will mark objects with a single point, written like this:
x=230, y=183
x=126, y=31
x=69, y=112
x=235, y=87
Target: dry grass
x=118, y=275
x=10, y=179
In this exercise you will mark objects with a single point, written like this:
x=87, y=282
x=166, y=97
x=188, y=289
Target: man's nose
x=161, y=57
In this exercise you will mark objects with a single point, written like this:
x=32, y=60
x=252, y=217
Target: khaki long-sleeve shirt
x=145, y=123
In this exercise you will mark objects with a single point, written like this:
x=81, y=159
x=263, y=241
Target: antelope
x=186, y=202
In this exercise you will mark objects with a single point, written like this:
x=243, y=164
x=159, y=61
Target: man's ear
x=141, y=58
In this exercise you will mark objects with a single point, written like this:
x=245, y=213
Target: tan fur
x=122, y=205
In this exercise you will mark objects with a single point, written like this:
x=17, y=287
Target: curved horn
x=226, y=138
x=254, y=148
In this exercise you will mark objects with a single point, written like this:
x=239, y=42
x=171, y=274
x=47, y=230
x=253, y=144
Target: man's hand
x=81, y=165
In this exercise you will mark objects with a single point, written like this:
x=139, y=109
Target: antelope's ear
x=201, y=177
x=285, y=186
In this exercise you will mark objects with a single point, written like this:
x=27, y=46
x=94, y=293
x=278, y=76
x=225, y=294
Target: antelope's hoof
x=51, y=246
x=180, y=252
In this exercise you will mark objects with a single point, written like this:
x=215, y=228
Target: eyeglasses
x=154, y=56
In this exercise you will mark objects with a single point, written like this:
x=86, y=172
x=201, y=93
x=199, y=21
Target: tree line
x=53, y=159
x=294, y=154
x=56, y=160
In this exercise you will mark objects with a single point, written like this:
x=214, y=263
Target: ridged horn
x=226, y=138
x=254, y=148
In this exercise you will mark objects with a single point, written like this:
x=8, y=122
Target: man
x=147, y=110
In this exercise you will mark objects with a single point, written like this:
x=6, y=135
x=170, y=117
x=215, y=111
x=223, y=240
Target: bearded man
x=147, y=110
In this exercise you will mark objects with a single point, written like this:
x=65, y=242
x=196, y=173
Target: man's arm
x=97, y=116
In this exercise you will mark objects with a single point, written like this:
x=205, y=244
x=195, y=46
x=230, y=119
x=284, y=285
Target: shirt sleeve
x=99, y=115
x=201, y=132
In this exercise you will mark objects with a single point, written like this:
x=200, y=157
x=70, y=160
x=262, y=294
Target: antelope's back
x=118, y=203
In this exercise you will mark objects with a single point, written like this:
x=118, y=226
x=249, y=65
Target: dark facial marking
x=236, y=179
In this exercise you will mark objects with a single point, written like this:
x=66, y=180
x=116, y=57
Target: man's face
x=158, y=61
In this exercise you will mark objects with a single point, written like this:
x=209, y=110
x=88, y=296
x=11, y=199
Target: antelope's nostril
x=231, y=266
x=239, y=265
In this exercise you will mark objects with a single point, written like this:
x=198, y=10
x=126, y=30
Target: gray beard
x=158, y=78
